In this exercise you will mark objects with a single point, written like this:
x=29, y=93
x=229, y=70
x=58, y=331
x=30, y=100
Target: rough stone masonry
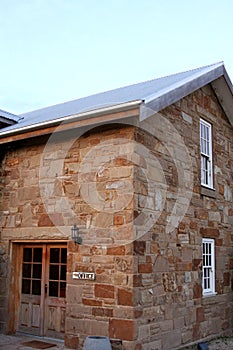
x=148, y=288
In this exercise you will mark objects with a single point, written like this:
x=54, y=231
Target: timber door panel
x=31, y=312
x=43, y=290
x=56, y=291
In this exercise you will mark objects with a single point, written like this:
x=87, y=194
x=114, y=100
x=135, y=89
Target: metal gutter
x=84, y=115
x=7, y=121
x=10, y=116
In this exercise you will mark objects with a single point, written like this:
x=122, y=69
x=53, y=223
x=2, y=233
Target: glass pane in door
x=31, y=271
x=57, y=272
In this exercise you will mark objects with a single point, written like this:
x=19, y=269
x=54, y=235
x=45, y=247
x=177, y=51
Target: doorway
x=42, y=303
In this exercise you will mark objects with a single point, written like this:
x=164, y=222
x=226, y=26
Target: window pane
x=204, y=132
x=208, y=266
x=37, y=269
x=36, y=287
x=26, y=286
x=63, y=255
x=205, y=139
x=63, y=272
x=53, y=289
x=208, y=148
x=54, y=255
x=27, y=270
x=204, y=169
x=206, y=154
x=63, y=289
x=54, y=272
x=207, y=134
x=27, y=254
x=37, y=255
x=202, y=146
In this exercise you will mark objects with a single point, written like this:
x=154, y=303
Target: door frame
x=15, y=278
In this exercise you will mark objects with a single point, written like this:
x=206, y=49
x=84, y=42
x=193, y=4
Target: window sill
x=208, y=192
x=208, y=295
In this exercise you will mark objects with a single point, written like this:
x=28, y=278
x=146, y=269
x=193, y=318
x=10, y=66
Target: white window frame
x=206, y=154
x=208, y=266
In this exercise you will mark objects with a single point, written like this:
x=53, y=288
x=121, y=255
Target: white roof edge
x=80, y=116
x=191, y=78
x=228, y=80
x=158, y=101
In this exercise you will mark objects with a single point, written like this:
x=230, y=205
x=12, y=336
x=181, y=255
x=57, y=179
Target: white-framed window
x=206, y=153
x=208, y=266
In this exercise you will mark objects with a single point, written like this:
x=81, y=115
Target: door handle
x=45, y=288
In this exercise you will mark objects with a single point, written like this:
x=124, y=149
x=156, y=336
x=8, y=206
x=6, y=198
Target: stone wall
x=169, y=276
x=4, y=262
x=120, y=185
x=45, y=192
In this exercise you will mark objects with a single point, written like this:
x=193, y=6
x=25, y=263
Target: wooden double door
x=43, y=290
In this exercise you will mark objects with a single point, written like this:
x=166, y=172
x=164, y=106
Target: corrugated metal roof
x=157, y=93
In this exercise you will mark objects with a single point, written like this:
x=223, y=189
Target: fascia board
x=166, y=97
x=224, y=95
x=67, y=119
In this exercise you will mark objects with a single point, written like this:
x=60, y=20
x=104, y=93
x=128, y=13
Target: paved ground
x=221, y=344
x=13, y=342
x=216, y=344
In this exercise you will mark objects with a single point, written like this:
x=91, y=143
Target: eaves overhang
x=117, y=112
x=224, y=91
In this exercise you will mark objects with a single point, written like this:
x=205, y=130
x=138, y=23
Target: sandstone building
x=145, y=173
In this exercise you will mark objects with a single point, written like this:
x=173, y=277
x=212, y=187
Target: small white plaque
x=84, y=276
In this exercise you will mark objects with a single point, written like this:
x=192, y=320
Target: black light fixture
x=75, y=235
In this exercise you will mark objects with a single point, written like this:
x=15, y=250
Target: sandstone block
x=125, y=297
x=156, y=344
x=104, y=291
x=139, y=247
x=71, y=341
x=116, y=250
x=122, y=329
x=171, y=339
x=209, y=232
x=161, y=264
x=102, y=312
x=92, y=302
x=144, y=333
x=145, y=268
x=200, y=314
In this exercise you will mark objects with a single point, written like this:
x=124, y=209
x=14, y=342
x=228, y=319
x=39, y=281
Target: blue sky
x=58, y=50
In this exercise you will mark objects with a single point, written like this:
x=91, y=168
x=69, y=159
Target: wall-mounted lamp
x=75, y=234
